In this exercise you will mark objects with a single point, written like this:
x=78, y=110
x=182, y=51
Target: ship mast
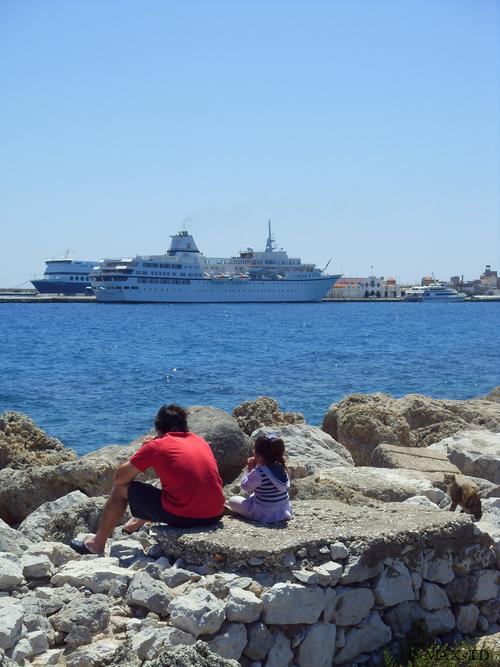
x=270, y=247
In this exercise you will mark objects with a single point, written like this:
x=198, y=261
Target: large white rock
x=163, y=638
x=97, y=574
x=394, y=585
x=280, y=654
x=466, y=618
x=318, y=647
x=475, y=452
x=36, y=567
x=11, y=575
x=198, y=612
x=371, y=634
x=433, y=597
x=230, y=641
x=11, y=623
x=12, y=540
x=484, y=585
x=242, y=606
x=58, y=554
x=34, y=526
x=260, y=641
x=438, y=569
x=149, y=593
x=309, y=447
x=328, y=573
x=352, y=605
x=437, y=622
x=287, y=604
x=357, y=570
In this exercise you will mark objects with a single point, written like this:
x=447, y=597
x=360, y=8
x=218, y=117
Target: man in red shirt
x=191, y=493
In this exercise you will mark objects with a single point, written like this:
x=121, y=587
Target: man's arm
x=125, y=473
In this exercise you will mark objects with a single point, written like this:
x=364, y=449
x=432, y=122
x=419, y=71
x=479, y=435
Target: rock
x=338, y=551
x=242, y=606
x=483, y=585
x=280, y=654
x=433, y=597
x=97, y=574
x=328, y=573
x=36, y=567
x=162, y=639
x=175, y=576
x=352, y=605
x=308, y=448
x=58, y=554
x=35, y=525
x=421, y=501
x=370, y=635
x=21, y=651
x=493, y=395
x=11, y=623
x=357, y=569
x=318, y=647
x=24, y=445
x=306, y=577
x=466, y=618
x=228, y=442
x=100, y=652
x=263, y=411
x=230, y=641
x=394, y=585
x=12, y=541
x=38, y=642
x=126, y=550
x=198, y=655
x=259, y=643
x=11, y=575
x=474, y=452
x=198, y=612
x=34, y=618
x=361, y=422
x=424, y=459
x=437, y=622
x=83, y=517
x=51, y=599
x=287, y=604
x=149, y=593
x=438, y=569
x=79, y=636
x=91, y=613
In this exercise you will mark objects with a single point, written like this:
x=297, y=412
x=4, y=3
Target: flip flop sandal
x=81, y=548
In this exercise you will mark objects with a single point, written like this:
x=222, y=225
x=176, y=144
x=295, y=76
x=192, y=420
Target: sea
x=95, y=374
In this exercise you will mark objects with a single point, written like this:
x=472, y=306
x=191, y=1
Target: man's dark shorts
x=145, y=503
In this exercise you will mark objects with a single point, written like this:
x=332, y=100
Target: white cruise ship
x=64, y=276
x=433, y=292
x=185, y=275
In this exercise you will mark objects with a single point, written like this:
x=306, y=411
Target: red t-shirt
x=186, y=466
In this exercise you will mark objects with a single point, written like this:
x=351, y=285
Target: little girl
x=268, y=479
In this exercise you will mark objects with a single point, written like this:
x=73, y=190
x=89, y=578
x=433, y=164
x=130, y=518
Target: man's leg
x=113, y=511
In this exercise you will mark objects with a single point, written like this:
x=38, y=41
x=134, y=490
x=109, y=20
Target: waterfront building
x=364, y=288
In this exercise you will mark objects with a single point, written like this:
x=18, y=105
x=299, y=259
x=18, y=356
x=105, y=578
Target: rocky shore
x=371, y=557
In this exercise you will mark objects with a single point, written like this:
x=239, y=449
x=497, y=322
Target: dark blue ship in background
x=65, y=276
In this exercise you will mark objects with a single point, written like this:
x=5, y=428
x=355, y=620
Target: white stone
x=484, y=585
x=100, y=652
x=318, y=647
x=433, y=597
x=280, y=654
x=474, y=452
x=198, y=612
x=175, y=576
x=166, y=637
x=11, y=623
x=260, y=641
x=126, y=549
x=352, y=605
x=328, y=573
x=421, y=501
x=394, y=585
x=357, y=570
x=152, y=594
x=338, y=551
x=11, y=575
x=230, y=641
x=35, y=524
x=466, y=618
x=21, y=651
x=286, y=604
x=53, y=656
x=242, y=606
x=36, y=567
x=438, y=569
x=97, y=574
x=306, y=577
x=371, y=634
x=58, y=554
x=438, y=622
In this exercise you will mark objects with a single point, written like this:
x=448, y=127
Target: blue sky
x=368, y=131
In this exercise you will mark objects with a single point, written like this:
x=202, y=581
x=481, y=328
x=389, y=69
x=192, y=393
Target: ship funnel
x=182, y=242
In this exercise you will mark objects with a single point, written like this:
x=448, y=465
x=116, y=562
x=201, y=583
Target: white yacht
x=185, y=275
x=433, y=292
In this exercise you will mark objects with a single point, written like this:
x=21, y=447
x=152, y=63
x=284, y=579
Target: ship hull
x=59, y=287
x=220, y=291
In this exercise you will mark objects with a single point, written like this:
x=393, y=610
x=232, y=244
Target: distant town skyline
x=368, y=132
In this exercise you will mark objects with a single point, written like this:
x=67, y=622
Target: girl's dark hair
x=171, y=419
x=272, y=450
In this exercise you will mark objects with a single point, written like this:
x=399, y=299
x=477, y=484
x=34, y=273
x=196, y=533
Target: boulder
x=361, y=422
x=12, y=541
x=146, y=592
x=230, y=641
x=368, y=636
x=11, y=573
x=288, y=604
x=263, y=411
x=473, y=452
x=91, y=613
x=198, y=612
x=198, y=655
x=11, y=623
x=318, y=647
x=34, y=527
x=423, y=459
x=352, y=605
x=24, y=445
x=96, y=574
x=242, y=606
x=308, y=448
x=229, y=443
x=82, y=517
x=260, y=641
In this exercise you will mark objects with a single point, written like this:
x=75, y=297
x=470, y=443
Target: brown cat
x=464, y=493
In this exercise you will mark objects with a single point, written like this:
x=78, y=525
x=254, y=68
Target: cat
x=464, y=493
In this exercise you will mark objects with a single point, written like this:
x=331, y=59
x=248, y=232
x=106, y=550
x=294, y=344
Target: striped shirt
x=266, y=485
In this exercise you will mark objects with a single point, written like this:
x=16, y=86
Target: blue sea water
x=95, y=374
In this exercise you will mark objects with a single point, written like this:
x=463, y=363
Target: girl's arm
x=251, y=480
